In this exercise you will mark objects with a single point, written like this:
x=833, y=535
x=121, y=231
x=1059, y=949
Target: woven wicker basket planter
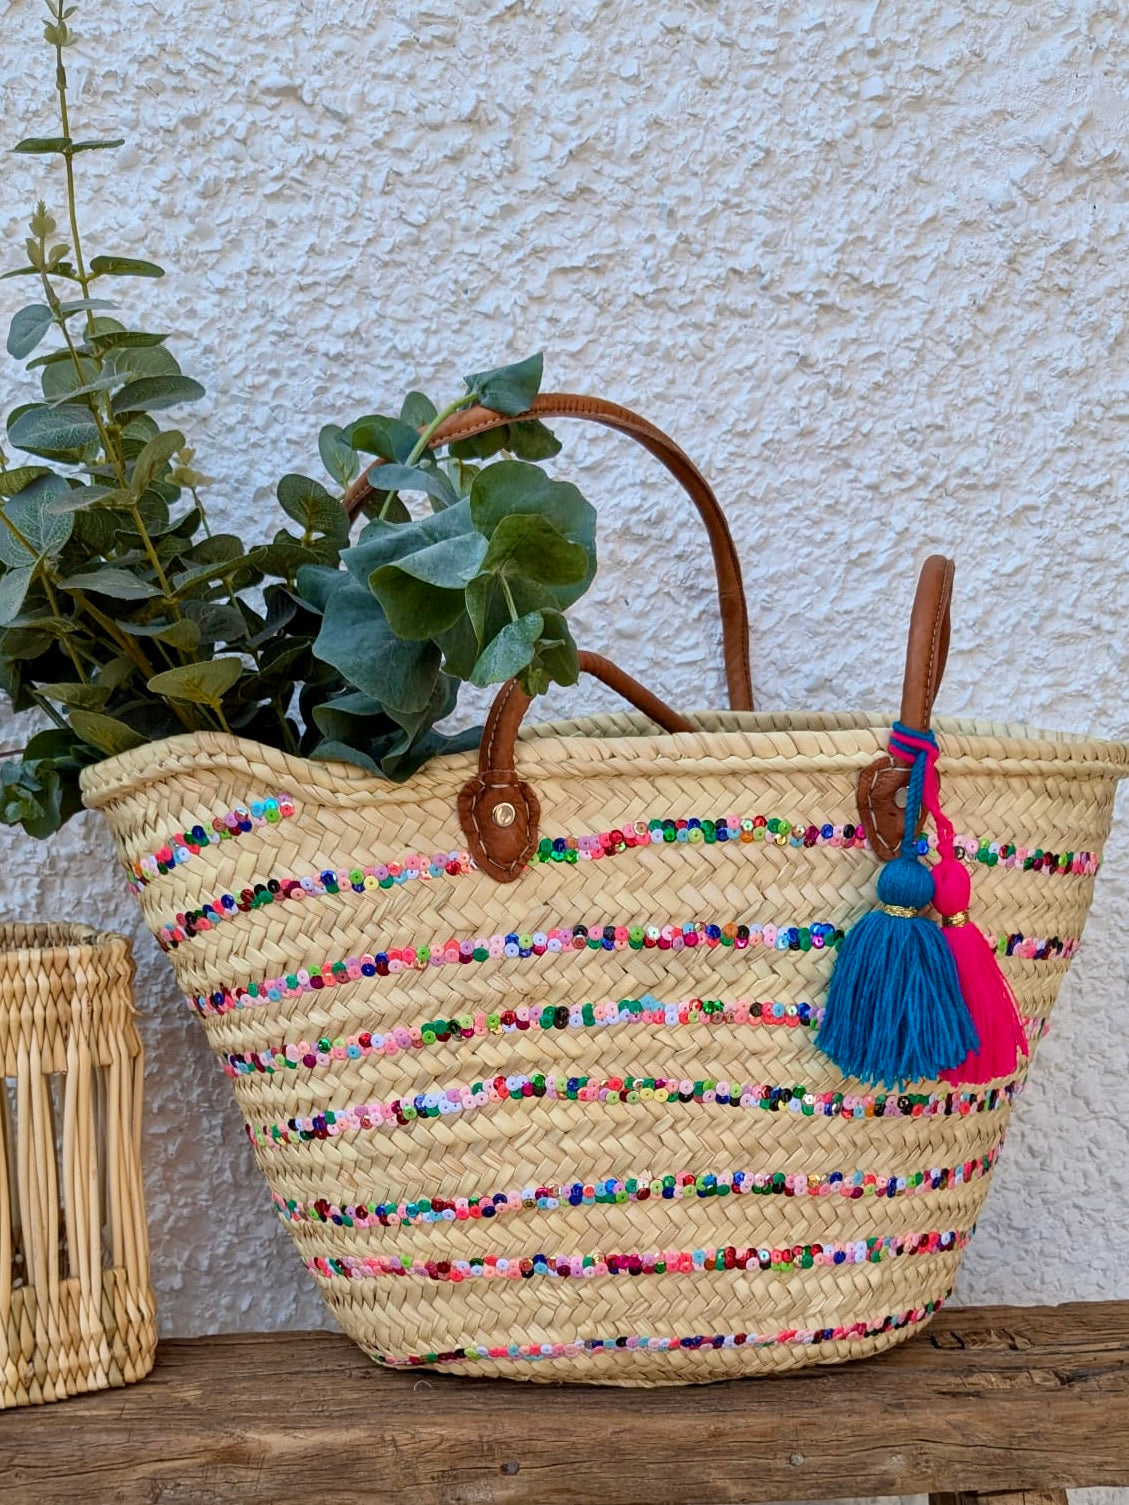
x=76, y=1306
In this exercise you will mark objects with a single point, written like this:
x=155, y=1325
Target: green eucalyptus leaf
x=104, y=383
x=308, y=503
x=513, y=488
x=97, y=146
x=337, y=454
x=508, y=389
x=145, y=360
x=52, y=358
x=106, y=733
x=182, y=634
x=113, y=581
x=529, y=546
x=44, y=428
x=204, y=683
x=31, y=513
x=482, y=446
x=80, y=498
x=117, y=672
x=14, y=585
x=556, y=653
x=528, y=440
x=450, y=564
x=154, y=458
x=80, y=697
x=509, y=652
x=423, y=593
x=356, y=639
x=390, y=438
x=429, y=479
x=386, y=505
x=82, y=305
x=417, y=410
x=124, y=266
x=122, y=339
x=27, y=328
x=216, y=621
x=340, y=752
x=152, y=392
x=531, y=440
x=15, y=480
x=351, y=717
x=316, y=584
x=489, y=603
x=60, y=378
x=281, y=559
x=39, y=146
x=382, y=542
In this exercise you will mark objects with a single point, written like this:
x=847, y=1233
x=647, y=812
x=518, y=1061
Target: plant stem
x=514, y=613
x=53, y=602
x=132, y=648
x=427, y=434
x=64, y=117
x=109, y=448
x=49, y=710
x=199, y=505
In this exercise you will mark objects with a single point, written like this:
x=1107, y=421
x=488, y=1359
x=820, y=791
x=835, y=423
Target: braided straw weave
x=76, y=1306
x=1001, y=783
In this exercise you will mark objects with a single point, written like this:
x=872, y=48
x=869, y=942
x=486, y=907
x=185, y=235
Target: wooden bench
x=1017, y=1403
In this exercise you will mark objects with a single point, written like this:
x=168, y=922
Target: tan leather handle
x=880, y=782
x=730, y=589
x=499, y=812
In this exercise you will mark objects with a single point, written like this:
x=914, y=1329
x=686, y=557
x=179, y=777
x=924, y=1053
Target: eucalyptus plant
x=124, y=618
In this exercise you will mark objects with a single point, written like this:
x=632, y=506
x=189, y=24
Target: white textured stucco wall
x=866, y=261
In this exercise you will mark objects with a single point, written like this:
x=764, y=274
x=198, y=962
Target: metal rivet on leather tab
x=900, y=797
x=503, y=814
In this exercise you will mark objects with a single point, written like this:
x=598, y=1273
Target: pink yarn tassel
x=990, y=1001
x=985, y=989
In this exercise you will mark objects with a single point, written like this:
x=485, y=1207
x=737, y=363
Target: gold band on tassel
x=960, y=918
x=900, y=911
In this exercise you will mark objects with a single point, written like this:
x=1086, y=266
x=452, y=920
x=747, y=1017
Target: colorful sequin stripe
x=615, y=1189
x=645, y=1010
x=789, y=1337
x=1034, y=948
x=518, y=1087
x=362, y=879
x=193, y=922
x=182, y=846
x=869, y=1251
x=777, y=831
x=815, y=936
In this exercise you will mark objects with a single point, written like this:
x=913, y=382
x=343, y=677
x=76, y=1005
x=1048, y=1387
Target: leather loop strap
x=881, y=784
x=499, y=812
x=731, y=591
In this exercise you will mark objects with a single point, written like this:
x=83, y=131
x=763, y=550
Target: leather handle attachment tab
x=499, y=812
x=730, y=588
x=882, y=784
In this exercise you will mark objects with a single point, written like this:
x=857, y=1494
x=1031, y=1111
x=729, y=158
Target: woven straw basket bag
x=527, y=1048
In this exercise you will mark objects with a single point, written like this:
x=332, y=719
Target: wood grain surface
x=992, y=1399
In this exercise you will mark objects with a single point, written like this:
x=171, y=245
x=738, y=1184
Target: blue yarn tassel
x=895, y=1013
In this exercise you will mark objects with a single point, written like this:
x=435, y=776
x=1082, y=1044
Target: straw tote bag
x=528, y=1047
